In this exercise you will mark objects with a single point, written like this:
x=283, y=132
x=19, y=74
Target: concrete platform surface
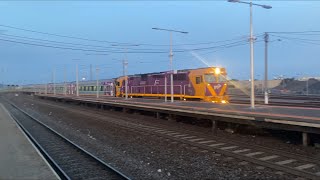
x=18, y=157
x=301, y=116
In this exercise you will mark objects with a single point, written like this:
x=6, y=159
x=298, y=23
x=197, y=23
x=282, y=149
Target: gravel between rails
x=140, y=155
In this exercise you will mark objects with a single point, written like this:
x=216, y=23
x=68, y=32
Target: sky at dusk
x=38, y=37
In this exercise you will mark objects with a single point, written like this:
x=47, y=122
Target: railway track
x=69, y=160
x=291, y=163
x=272, y=103
x=297, y=101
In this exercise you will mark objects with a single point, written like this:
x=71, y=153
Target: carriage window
x=198, y=80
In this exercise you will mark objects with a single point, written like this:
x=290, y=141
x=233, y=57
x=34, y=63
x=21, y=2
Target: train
x=204, y=84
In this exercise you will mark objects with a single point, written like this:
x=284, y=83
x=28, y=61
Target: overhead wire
x=115, y=42
x=106, y=51
x=301, y=40
x=16, y=37
x=293, y=32
x=58, y=35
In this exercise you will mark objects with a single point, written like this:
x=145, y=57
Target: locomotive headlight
x=217, y=71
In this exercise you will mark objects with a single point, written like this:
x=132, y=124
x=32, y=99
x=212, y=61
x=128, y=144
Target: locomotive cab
x=216, y=88
x=119, y=86
x=209, y=84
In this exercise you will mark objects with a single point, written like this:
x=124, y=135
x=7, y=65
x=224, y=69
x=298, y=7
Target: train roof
x=90, y=81
x=164, y=72
x=94, y=81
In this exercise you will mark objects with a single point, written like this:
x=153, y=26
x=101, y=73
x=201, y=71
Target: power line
x=113, y=42
x=69, y=43
x=58, y=35
x=287, y=37
x=76, y=49
x=294, y=32
x=203, y=43
x=230, y=46
x=214, y=47
x=306, y=41
x=110, y=51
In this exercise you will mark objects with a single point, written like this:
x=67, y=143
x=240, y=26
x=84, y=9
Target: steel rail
x=291, y=170
x=60, y=169
x=271, y=103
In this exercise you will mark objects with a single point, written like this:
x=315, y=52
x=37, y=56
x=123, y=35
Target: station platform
x=19, y=158
x=303, y=117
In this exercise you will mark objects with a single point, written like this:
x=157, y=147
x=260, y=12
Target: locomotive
x=206, y=84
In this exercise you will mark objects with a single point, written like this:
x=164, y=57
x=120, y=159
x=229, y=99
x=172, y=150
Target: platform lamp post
x=307, y=84
x=54, y=81
x=125, y=74
x=171, y=58
x=97, y=70
x=46, y=88
x=251, y=44
x=65, y=80
x=97, y=79
x=125, y=64
x=77, y=80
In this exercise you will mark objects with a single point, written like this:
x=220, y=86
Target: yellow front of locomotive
x=120, y=86
x=216, y=86
x=210, y=84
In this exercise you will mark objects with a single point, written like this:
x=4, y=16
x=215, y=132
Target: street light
x=171, y=56
x=251, y=44
x=97, y=81
x=54, y=80
x=125, y=65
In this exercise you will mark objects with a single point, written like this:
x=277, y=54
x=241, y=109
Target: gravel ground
x=144, y=156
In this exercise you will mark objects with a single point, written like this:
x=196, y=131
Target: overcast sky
x=217, y=31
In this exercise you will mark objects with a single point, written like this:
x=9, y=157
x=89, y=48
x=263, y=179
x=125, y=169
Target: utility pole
x=307, y=84
x=266, y=93
x=251, y=44
x=97, y=78
x=90, y=72
x=46, y=88
x=165, y=87
x=125, y=66
x=54, y=81
x=65, y=81
x=77, y=80
x=251, y=59
x=171, y=67
x=171, y=58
